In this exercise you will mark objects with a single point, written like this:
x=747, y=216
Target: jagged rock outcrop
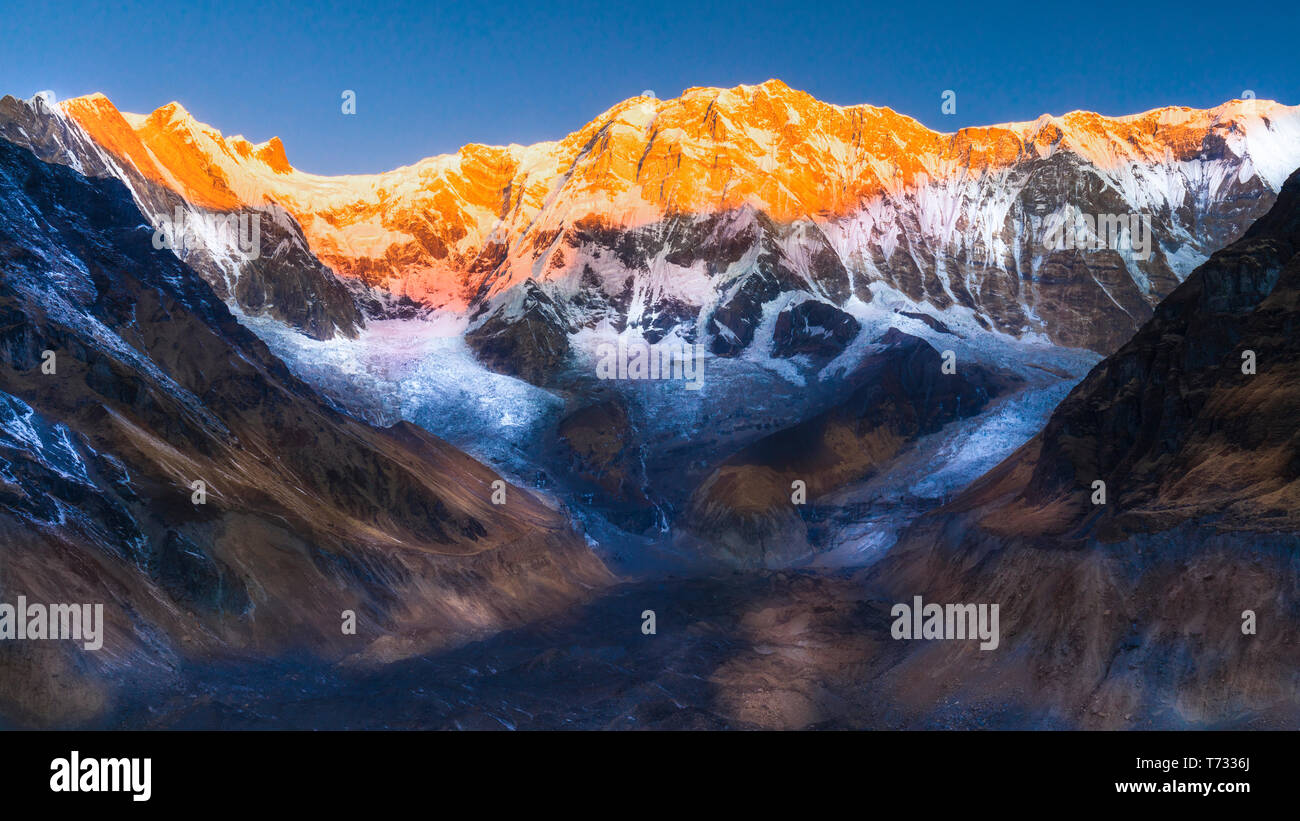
x=814, y=329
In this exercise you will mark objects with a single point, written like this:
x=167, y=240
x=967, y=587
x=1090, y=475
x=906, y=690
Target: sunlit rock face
x=252, y=254
x=689, y=215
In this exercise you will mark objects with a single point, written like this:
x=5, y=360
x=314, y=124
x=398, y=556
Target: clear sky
x=430, y=77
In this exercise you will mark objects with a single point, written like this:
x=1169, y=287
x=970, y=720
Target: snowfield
x=422, y=371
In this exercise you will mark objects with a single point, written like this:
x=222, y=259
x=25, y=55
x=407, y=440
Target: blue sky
x=430, y=77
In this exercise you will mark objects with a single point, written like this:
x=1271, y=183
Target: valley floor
x=778, y=649
x=754, y=650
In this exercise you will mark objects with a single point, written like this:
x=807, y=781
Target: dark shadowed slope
x=1131, y=612
x=307, y=513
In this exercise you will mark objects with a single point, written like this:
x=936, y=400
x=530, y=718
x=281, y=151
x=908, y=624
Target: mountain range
x=394, y=408
x=690, y=215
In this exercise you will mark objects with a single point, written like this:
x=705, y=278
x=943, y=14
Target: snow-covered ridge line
x=418, y=229
x=691, y=213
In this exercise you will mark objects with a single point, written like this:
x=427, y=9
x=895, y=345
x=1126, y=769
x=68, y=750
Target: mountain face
x=1137, y=603
x=282, y=278
x=124, y=381
x=824, y=264
x=1192, y=419
x=779, y=234
x=695, y=216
